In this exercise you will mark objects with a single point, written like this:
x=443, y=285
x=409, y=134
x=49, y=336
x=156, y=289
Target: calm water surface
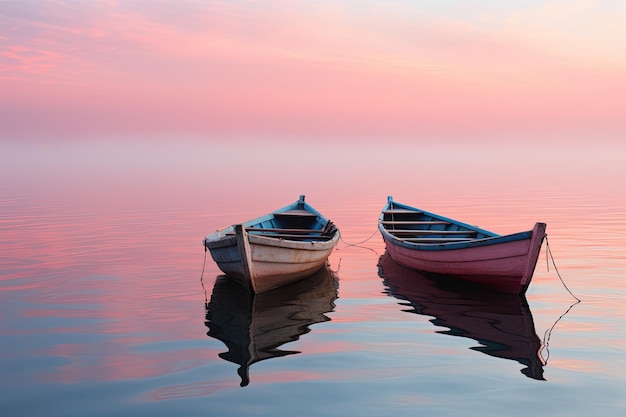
x=109, y=306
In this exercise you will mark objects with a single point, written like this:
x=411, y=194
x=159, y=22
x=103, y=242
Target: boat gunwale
x=300, y=244
x=492, y=239
x=457, y=244
x=435, y=216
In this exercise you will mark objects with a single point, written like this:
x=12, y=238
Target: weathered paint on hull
x=261, y=263
x=506, y=267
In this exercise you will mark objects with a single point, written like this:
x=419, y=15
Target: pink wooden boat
x=435, y=244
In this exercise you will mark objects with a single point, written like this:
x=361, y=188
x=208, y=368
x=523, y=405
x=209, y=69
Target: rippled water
x=108, y=304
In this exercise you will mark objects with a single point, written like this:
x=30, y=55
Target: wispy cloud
x=284, y=66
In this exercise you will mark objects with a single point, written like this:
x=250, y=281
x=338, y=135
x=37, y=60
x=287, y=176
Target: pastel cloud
x=300, y=67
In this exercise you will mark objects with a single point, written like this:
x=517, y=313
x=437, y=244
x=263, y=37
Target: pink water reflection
x=121, y=255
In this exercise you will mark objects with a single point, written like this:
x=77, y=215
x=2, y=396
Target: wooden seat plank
x=294, y=237
x=401, y=211
x=431, y=232
x=296, y=213
x=435, y=239
x=281, y=230
x=416, y=222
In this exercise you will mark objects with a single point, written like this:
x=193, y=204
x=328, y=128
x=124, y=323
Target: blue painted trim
x=456, y=245
x=493, y=240
x=390, y=202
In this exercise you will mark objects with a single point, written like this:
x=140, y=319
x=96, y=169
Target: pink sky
x=283, y=67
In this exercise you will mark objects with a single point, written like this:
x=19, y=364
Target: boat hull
x=506, y=267
x=263, y=263
x=504, y=263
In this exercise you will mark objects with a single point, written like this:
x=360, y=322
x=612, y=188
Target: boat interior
x=420, y=227
x=296, y=225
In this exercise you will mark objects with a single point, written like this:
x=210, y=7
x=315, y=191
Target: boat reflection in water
x=501, y=323
x=254, y=326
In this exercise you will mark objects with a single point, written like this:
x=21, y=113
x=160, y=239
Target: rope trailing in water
x=545, y=344
x=546, y=336
x=338, y=267
x=549, y=252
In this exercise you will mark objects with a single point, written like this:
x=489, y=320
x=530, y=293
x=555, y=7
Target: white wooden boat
x=281, y=247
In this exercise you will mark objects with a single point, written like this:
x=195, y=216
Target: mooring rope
x=202, y=276
x=545, y=344
x=338, y=267
x=546, y=336
x=549, y=252
x=360, y=243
